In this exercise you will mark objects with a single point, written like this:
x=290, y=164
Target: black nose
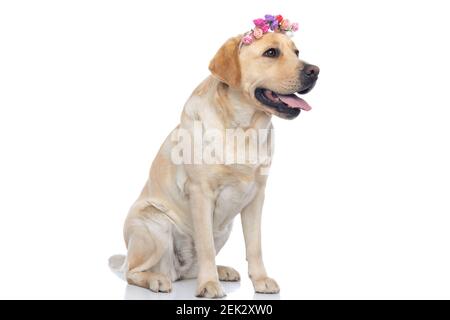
x=310, y=71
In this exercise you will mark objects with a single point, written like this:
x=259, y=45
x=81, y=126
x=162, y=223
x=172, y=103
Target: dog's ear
x=225, y=64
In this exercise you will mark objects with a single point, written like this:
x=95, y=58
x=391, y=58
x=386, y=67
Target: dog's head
x=268, y=72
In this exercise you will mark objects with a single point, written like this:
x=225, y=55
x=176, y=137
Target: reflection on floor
x=185, y=289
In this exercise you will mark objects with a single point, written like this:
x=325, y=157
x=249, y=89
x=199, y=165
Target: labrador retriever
x=184, y=215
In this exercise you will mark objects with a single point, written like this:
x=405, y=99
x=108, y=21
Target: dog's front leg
x=202, y=202
x=251, y=226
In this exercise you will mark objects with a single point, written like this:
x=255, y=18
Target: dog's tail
x=117, y=264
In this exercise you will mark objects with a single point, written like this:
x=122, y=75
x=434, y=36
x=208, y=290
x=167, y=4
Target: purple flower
x=269, y=17
x=274, y=25
x=271, y=21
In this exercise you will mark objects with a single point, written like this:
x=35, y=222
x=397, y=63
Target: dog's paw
x=266, y=285
x=228, y=274
x=210, y=289
x=159, y=283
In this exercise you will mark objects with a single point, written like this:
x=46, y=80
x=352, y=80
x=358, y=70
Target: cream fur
x=184, y=214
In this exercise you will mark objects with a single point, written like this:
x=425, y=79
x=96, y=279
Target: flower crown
x=262, y=26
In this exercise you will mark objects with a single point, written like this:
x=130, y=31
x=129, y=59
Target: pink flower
x=257, y=33
x=285, y=24
x=247, y=39
x=265, y=28
x=259, y=22
x=262, y=24
x=270, y=22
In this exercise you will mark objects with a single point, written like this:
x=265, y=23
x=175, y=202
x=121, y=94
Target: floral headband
x=262, y=26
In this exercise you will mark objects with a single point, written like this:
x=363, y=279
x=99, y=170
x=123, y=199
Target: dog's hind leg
x=148, y=241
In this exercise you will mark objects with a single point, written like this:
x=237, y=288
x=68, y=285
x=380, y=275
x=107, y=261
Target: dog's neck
x=245, y=115
x=233, y=106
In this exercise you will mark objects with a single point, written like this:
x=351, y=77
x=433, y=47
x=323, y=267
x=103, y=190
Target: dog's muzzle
x=308, y=77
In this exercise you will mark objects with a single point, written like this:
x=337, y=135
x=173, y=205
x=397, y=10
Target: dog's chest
x=231, y=199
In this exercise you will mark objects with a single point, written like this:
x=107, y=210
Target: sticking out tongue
x=294, y=101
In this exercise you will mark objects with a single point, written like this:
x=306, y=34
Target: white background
x=359, y=190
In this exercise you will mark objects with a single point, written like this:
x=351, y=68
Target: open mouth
x=288, y=105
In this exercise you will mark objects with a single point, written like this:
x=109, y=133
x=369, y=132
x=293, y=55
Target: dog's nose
x=311, y=71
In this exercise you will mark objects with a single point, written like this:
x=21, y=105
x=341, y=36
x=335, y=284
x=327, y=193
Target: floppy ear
x=225, y=64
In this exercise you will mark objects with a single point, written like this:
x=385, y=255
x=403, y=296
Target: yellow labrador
x=184, y=214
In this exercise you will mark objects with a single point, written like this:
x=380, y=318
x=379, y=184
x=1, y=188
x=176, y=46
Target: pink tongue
x=295, y=102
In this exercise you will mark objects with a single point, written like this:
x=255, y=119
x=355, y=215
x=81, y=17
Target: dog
x=184, y=214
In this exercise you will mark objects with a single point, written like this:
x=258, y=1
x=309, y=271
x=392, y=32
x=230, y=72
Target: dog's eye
x=272, y=53
x=296, y=52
